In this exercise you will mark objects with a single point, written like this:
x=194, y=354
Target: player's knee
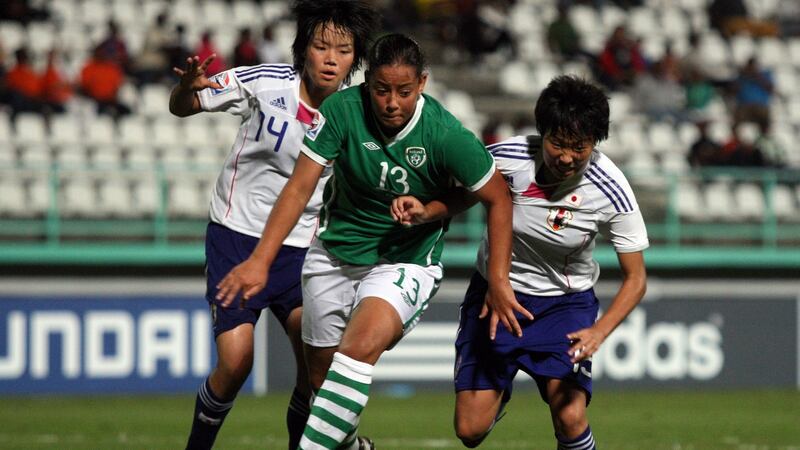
x=471, y=432
x=570, y=421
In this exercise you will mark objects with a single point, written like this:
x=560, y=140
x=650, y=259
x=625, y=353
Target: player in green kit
x=367, y=280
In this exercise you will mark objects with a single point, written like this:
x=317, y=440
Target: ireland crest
x=416, y=156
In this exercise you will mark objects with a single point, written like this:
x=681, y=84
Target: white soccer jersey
x=555, y=227
x=261, y=159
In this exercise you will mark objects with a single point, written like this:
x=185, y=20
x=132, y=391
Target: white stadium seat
x=719, y=202
x=750, y=201
x=101, y=132
x=35, y=156
x=78, y=197
x=185, y=198
x=784, y=204
x=30, y=129
x=65, y=130
x=13, y=201
x=689, y=202
x=114, y=197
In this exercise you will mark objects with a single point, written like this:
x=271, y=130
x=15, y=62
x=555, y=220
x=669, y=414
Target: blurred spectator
x=621, y=60
x=100, y=79
x=731, y=17
x=485, y=27
x=658, y=95
x=771, y=149
x=740, y=150
x=754, y=88
x=23, y=85
x=177, y=50
x=704, y=152
x=21, y=11
x=562, y=38
x=206, y=49
x=268, y=50
x=489, y=133
x=670, y=64
x=114, y=47
x=153, y=63
x=244, y=52
x=56, y=89
x=787, y=13
x=699, y=92
x=696, y=63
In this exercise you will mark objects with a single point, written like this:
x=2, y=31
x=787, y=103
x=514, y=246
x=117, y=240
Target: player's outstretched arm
x=500, y=299
x=586, y=342
x=183, y=101
x=250, y=277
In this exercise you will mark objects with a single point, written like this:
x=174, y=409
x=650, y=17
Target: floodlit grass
x=674, y=420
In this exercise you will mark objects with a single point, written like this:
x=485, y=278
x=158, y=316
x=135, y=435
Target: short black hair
x=354, y=16
x=396, y=48
x=573, y=109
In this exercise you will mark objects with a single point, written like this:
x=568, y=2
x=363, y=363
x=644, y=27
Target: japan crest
x=416, y=156
x=558, y=218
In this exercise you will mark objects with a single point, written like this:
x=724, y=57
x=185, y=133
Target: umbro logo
x=279, y=102
x=371, y=146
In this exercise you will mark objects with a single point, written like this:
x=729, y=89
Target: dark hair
x=354, y=16
x=572, y=108
x=394, y=49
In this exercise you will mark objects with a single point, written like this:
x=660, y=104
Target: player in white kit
x=277, y=104
x=565, y=192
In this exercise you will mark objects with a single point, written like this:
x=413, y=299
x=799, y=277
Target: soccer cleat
x=365, y=443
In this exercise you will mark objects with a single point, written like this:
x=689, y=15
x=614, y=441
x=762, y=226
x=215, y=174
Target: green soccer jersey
x=431, y=154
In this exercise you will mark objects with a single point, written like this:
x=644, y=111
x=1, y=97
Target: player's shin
x=297, y=416
x=338, y=405
x=209, y=413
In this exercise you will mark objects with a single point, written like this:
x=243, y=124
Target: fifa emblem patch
x=316, y=126
x=558, y=218
x=223, y=79
x=416, y=156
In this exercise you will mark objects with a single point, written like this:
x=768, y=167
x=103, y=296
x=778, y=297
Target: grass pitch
x=673, y=420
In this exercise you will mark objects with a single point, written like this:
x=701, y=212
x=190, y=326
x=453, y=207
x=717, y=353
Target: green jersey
x=429, y=155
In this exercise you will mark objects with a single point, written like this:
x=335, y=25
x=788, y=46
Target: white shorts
x=332, y=290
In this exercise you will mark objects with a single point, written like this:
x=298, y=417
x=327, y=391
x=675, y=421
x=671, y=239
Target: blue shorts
x=541, y=352
x=225, y=249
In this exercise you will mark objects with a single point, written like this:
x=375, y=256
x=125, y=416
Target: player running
x=367, y=280
x=565, y=192
x=277, y=104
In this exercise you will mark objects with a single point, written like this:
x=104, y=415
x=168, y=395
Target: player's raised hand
x=502, y=303
x=193, y=76
x=247, y=278
x=408, y=210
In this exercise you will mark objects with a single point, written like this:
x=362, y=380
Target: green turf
x=673, y=420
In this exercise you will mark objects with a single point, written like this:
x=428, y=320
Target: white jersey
x=261, y=159
x=555, y=227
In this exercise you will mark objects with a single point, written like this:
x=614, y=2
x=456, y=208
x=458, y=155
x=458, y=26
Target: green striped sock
x=338, y=404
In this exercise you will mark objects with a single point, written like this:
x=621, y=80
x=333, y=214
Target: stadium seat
x=515, y=79
x=39, y=198
x=632, y=137
x=719, y=202
x=134, y=132
x=620, y=104
x=8, y=155
x=146, y=195
x=663, y=138
x=35, y=156
x=198, y=132
x=107, y=157
x=154, y=101
x=543, y=73
x=175, y=156
x=749, y=198
x=786, y=82
x=41, y=37
x=13, y=202
x=246, y=14
x=185, y=198
x=167, y=134
x=643, y=165
x=274, y=11
x=743, y=47
x=772, y=52
x=784, y=204
x=73, y=156
x=793, y=48
x=12, y=35
x=689, y=202
x=5, y=128
x=78, y=197
x=65, y=130
x=674, y=23
x=216, y=14
x=101, y=132
x=716, y=52
x=30, y=129
x=94, y=12
x=642, y=22
x=611, y=16
x=114, y=196
x=674, y=162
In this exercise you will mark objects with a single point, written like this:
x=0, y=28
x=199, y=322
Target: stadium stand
x=56, y=169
